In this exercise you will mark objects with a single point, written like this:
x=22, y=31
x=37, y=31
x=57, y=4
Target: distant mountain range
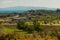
x=23, y=8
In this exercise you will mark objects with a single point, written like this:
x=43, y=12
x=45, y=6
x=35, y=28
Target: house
x=5, y=20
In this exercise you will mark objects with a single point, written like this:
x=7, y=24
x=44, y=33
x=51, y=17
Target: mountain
x=23, y=8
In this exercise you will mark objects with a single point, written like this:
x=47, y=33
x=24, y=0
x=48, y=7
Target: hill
x=23, y=8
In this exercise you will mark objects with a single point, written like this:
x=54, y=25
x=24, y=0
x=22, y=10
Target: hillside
x=30, y=25
x=23, y=8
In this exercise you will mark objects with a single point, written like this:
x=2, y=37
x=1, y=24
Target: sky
x=38, y=3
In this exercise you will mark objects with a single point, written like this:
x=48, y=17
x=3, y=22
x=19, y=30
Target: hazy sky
x=41, y=3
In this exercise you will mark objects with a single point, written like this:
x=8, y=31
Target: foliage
x=29, y=28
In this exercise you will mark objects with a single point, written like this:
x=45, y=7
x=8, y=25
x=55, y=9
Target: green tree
x=29, y=28
x=20, y=24
x=37, y=26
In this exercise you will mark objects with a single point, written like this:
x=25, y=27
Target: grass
x=10, y=30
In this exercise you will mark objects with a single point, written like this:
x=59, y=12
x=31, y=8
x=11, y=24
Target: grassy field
x=17, y=34
x=31, y=29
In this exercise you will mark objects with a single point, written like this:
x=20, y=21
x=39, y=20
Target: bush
x=30, y=28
